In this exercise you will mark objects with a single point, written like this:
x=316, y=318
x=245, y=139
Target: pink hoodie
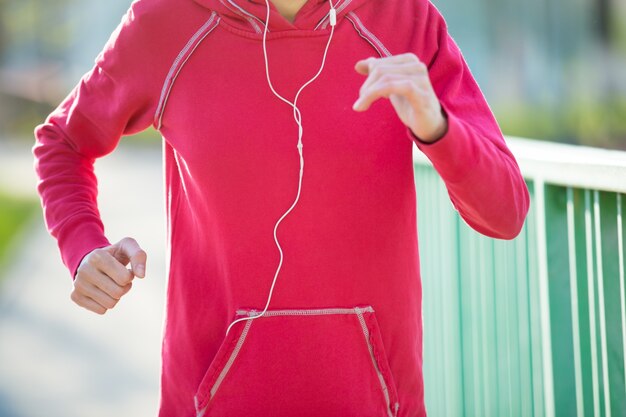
x=343, y=336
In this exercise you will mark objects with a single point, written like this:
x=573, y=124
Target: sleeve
x=111, y=100
x=480, y=172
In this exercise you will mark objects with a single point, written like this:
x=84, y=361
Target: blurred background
x=552, y=70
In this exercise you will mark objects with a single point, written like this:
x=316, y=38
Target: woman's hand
x=404, y=80
x=102, y=277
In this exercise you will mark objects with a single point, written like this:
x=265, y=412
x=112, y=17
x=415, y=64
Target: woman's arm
x=450, y=121
x=117, y=97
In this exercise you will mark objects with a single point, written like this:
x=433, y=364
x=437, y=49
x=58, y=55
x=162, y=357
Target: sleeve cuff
x=80, y=239
x=454, y=154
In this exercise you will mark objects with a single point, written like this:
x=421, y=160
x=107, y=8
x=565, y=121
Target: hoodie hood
x=250, y=15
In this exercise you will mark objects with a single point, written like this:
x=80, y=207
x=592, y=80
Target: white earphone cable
x=298, y=118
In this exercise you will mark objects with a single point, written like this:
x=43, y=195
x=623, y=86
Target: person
x=294, y=286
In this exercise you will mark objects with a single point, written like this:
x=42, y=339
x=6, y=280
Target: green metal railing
x=535, y=326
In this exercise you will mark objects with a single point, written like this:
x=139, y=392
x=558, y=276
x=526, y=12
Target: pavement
x=57, y=359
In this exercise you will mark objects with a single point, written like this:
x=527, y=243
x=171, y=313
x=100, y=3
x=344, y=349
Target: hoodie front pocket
x=309, y=362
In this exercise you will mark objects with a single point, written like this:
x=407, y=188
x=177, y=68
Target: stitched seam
x=325, y=17
x=177, y=66
x=339, y=10
x=249, y=17
x=226, y=368
x=232, y=358
x=177, y=61
x=321, y=21
x=305, y=312
x=381, y=379
x=256, y=27
x=371, y=36
x=199, y=413
x=363, y=36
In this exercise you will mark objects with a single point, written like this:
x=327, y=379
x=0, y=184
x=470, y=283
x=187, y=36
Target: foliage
x=14, y=216
x=526, y=50
x=39, y=27
x=601, y=124
x=20, y=116
x=619, y=28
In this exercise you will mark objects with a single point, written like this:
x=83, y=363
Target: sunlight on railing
x=535, y=326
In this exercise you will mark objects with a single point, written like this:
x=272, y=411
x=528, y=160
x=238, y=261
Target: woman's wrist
x=438, y=132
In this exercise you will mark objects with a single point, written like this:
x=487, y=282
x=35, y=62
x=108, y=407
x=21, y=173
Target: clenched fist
x=102, y=278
